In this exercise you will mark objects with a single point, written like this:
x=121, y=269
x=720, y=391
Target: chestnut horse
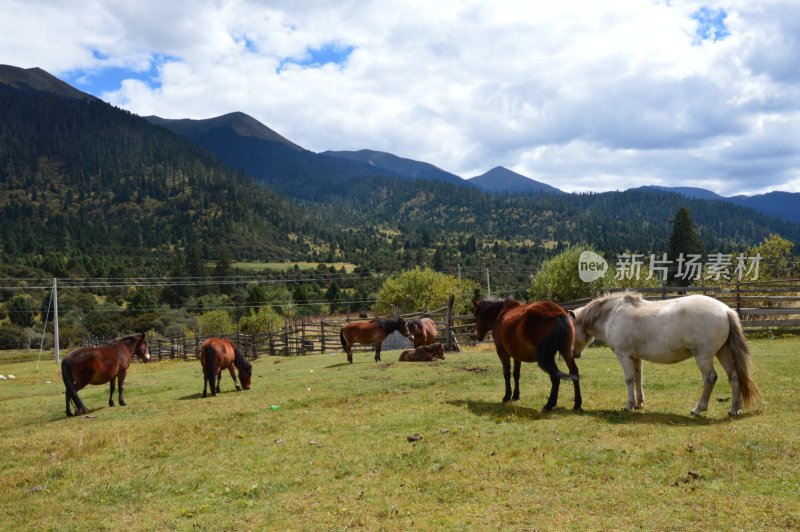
x=370, y=332
x=529, y=333
x=99, y=365
x=423, y=330
x=217, y=354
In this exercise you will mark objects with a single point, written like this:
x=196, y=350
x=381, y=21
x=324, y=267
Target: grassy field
x=335, y=453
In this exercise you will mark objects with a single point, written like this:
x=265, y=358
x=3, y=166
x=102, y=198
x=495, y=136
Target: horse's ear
x=476, y=302
x=572, y=314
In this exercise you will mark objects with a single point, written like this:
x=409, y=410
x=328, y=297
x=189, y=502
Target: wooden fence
x=759, y=304
x=301, y=338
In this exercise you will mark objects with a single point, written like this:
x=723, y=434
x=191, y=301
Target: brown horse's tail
x=741, y=359
x=341, y=338
x=69, y=385
x=209, y=371
x=561, y=335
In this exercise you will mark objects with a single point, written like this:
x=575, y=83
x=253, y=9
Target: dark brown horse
x=423, y=330
x=370, y=332
x=99, y=365
x=529, y=333
x=424, y=353
x=217, y=354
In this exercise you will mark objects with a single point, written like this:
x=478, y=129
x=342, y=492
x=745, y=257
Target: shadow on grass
x=504, y=410
x=199, y=395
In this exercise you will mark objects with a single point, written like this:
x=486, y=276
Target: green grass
x=335, y=453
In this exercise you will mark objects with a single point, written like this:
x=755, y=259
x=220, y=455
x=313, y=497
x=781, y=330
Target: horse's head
x=246, y=374
x=142, y=350
x=414, y=328
x=582, y=337
x=402, y=328
x=486, y=313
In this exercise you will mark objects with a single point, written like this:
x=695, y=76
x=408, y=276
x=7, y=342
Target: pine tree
x=682, y=242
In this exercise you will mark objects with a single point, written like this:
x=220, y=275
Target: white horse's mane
x=595, y=309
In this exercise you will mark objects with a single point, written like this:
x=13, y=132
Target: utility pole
x=55, y=319
x=488, y=284
x=459, y=272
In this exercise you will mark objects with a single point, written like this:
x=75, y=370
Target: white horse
x=667, y=332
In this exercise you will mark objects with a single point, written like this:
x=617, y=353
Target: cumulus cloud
x=582, y=95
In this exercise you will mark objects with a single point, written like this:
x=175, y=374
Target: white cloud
x=583, y=95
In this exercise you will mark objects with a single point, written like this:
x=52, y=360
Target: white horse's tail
x=741, y=359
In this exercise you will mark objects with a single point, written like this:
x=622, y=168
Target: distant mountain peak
x=242, y=124
x=37, y=79
x=501, y=179
x=399, y=165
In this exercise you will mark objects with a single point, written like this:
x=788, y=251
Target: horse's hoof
x=694, y=413
x=238, y=388
x=548, y=407
x=123, y=403
x=733, y=413
x=506, y=399
x=577, y=408
x=638, y=407
x=69, y=414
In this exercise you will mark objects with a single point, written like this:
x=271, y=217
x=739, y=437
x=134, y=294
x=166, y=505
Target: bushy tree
x=422, y=289
x=558, y=279
x=776, y=257
x=215, y=323
x=264, y=320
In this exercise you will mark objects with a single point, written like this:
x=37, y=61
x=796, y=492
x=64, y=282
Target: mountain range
x=79, y=176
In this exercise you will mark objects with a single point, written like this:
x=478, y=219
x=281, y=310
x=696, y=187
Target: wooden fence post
x=738, y=298
x=286, y=340
x=322, y=334
x=448, y=343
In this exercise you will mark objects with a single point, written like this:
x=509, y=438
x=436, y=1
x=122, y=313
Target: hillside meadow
x=317, y=443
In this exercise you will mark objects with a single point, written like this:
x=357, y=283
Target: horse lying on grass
x=667, y=332
x=425, y=353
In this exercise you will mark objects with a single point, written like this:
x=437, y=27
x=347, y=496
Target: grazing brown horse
x=425, y=353
x=370, y=332
x=99, y=365
x=529, y=333
x=217, y=354
x=423, y=330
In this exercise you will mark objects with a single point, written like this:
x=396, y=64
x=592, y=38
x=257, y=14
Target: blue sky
x=582, y=95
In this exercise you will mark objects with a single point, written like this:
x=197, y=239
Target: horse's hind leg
x=637, y=383
x=120, y=381
x=517, y=369
x=235, y=382
x=576, y=383
x=378, y=351
x=706, y=364
x=219, y=380
x=725, y=358
x=69, y=410
x=506, y=361
x=111, y=393
x=555, y=382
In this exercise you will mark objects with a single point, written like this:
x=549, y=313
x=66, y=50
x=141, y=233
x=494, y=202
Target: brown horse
x=99, y=365
x=217, y=354
x=423, y=330
x=424, y=353
x=370, y=332
x=529, y=333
